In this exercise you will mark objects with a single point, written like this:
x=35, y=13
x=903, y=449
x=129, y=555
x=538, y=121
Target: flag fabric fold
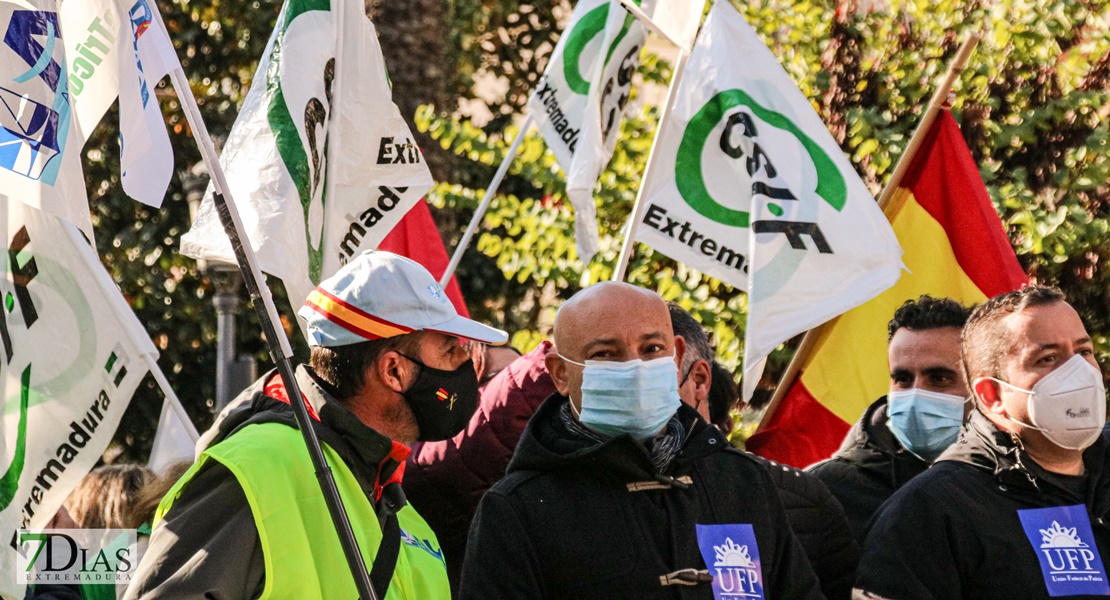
x=955, y=246
x=580, y=100
x=118, y=49
x=751, y=188
x=320, y=162
x=62, y=402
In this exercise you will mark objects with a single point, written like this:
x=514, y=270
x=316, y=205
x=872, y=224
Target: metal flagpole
x=638, y=208
x=476, y=220
x=940, y=97
x=280, y=350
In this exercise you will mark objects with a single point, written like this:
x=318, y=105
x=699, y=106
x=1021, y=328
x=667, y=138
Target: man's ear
x=702, y=375
x=557, y=368
x=679, y=351
x=988, y=394
x=390, y=368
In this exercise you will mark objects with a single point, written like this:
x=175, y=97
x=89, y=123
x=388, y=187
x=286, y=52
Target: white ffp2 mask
x=1068, y=405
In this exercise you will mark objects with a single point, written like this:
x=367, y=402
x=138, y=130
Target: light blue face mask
x=926, y=423
x=636, y=397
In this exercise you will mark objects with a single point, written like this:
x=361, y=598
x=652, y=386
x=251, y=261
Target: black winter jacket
x=819, y=523
x=957, y=530
x=868, y=468
x=574, y=519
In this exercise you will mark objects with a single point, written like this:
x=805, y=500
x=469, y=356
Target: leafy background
x=1033, y=105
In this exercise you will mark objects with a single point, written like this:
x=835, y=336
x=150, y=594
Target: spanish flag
x=954, y=245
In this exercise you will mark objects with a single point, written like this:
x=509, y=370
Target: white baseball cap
x=379, y=295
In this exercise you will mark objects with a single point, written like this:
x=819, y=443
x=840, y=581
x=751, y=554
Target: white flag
x=40, y=154
x=119, y=48
x=176, y=438
x=72, y=355
x=679, y=19
x=320, y=162
x=743, y=152
x=580, y=100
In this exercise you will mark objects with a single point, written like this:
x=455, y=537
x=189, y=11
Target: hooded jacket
x=986, y=522
x=579, y=519
x=868, y=468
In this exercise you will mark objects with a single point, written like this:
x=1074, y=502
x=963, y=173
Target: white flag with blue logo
x=40, y=161
x=751, y=188
x=119, y=48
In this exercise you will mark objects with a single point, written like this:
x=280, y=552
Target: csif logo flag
x=72, y=355
x=118, y=48
x=319, y=161
x=580, y=100
x=751, y=189
x=40, y=160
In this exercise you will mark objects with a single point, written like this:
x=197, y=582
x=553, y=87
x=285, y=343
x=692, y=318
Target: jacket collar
x=983, y=445
x=871, y=445
x=547, y=446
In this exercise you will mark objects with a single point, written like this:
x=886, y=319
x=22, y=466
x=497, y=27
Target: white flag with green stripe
x=319, y=161
x=72, y=355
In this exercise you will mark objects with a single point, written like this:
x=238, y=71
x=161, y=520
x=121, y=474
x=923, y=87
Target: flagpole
x=936, y=103
x=625, y=256
x=639, y=13
x=476, y=220
x=280, y=350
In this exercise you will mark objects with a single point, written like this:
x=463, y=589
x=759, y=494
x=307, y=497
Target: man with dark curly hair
x=901, y=434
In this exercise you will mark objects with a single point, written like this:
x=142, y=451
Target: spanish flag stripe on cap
x=351, y=318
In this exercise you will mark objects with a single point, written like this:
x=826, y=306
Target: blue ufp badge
x=732, y=557
x=1065, y=546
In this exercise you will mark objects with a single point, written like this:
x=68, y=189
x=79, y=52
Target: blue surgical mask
x=926, y=423
x=636, y=397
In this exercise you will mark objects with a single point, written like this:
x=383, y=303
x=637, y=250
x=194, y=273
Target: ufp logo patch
x=732, y=556
x=1065, y=546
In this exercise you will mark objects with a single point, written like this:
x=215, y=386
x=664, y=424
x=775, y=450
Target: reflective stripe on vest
x=303, y=557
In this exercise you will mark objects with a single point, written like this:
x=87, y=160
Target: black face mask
x=442, y=401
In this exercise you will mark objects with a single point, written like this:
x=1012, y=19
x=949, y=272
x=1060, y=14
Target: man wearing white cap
x=248, y=520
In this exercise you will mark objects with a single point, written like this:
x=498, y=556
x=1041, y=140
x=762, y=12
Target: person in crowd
x=106, y=496
x=105, y=499
x=445, y=480
x=816, y=518
x=902, y=433
x=249, y=518
x=1019, y=507
x=489, y=360
x=617, y=489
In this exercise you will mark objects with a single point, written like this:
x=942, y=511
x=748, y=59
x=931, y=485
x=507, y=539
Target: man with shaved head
x=618, y=490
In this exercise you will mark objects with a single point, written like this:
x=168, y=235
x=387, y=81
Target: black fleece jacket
x=574, y=519
x=956, y=531
x=868, y=468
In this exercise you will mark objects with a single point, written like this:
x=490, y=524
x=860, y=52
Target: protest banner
x=750, y=188
x=321, y=159
x=955, y=246
x=40, y=162
x=72, y=355
x=116, y=53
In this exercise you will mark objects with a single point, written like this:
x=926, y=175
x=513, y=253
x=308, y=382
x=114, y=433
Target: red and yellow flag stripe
x=954, y=246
